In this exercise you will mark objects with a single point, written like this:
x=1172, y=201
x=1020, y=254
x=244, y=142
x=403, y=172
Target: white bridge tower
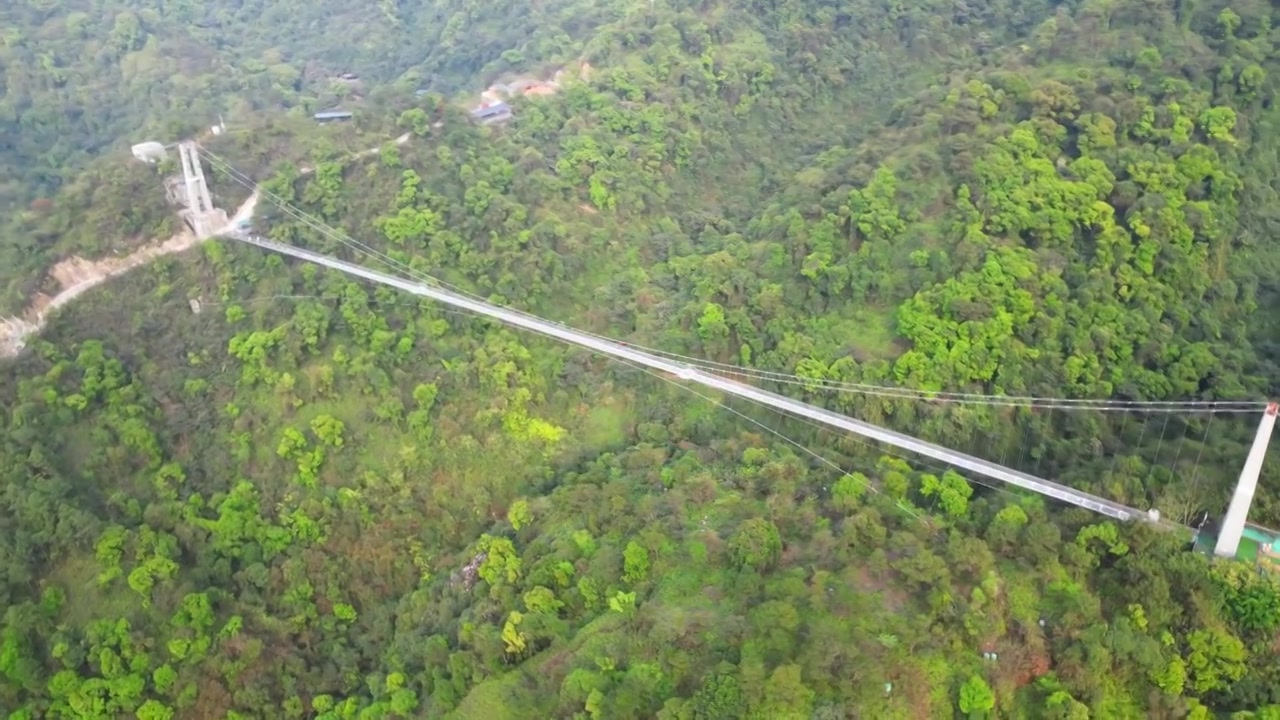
x=1238, y=511
x=205, y=219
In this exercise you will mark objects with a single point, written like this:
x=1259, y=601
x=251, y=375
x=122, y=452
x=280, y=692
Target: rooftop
x=149, y=151
x=494, y=110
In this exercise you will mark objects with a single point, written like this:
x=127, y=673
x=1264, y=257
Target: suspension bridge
x=207, y=221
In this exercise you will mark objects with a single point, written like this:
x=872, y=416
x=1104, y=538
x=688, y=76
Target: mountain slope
x=319, y=499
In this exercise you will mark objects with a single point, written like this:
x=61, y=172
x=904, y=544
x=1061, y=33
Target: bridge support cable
x=881, y=449
x=693, y=374
x=824, y=460
x=886, y=391
x=1195, y=470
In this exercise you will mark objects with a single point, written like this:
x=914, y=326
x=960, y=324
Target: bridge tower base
x=1233, y=524
x=205, y=219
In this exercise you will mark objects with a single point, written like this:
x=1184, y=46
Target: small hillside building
x=149, y=152
x=540, y=89
x=492, y=113
x=333, y=116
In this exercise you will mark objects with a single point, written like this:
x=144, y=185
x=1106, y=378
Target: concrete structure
x=1259, y=544
x=150, y=152
x=1238, y=511
x=200, y=213
x=1268, y=540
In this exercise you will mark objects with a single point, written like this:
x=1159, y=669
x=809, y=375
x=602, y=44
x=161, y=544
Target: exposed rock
x=470, y=572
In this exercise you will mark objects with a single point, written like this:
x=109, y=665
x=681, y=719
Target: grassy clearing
x=87, y=600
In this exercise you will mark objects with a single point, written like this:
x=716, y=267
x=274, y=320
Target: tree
x=501, y=562
x=17, y=662
x=976, y=698
x=719, y=698
x=1229, y=21
x=196, y=612
x=786, y=697
x=329, y=430
x=713, y=329
x=411, y=226
x=1104, y=535
x=164, y=678
x=952, y=492
x=403, y=702
x=417, y=120
x=1253, y=602
x=1005, y=528
x=636, y=563
x=424, y=395
x=153, y=710
x=542, y=600
x=1218, y=122
x=848, y=491
x=623, y=603
x=1251, y=80
x=875, y=209
x=756, y=544
x=518, y=514
x=516, y=642
x=1215, y=659
x=1061, y=706
x=291, y=443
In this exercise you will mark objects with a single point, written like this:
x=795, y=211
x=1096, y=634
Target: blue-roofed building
x=492, y=113
x=332, y=115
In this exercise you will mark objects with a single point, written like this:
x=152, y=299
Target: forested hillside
x=84, y=76
x=318, y=499
x=84, y=80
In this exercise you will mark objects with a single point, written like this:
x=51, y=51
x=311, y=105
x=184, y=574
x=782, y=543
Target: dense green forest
x=320, y=499
x=81, y=80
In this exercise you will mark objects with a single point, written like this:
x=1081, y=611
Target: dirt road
x=76, y=275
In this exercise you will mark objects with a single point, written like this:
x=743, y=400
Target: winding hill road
x=77, y=275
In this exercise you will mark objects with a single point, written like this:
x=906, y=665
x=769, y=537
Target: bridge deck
x=961, y=460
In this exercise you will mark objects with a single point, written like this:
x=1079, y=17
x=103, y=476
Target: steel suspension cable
x=1195, y=471
x=875, y=390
